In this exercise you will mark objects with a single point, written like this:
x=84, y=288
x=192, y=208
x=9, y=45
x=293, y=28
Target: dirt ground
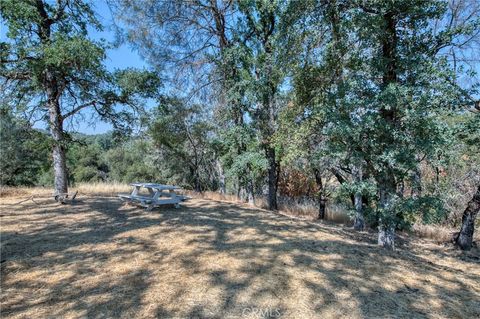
x=99, y=259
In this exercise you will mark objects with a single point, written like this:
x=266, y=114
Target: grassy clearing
x=212, y=259
x=95, y=189
x=304, y=211
x=334, y=213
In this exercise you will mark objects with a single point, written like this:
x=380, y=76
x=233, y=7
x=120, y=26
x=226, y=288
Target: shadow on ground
x=98, y=258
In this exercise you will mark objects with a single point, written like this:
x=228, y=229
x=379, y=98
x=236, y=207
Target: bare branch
x=78, y=109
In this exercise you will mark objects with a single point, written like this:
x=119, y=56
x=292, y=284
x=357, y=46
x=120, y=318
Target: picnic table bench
x=158, y=195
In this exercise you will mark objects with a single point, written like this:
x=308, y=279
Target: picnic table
x=158, y=195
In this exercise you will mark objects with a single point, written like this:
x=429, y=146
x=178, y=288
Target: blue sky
x=122, y=57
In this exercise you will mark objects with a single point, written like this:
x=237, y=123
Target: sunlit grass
x=207, y=259
x=308, y=211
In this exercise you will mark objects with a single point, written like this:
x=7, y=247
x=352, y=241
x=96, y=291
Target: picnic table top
x=155, y=186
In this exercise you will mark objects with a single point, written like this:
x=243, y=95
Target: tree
x=466, y=172
x=465, y=236
x=181, y=134
x=23, y=151
x=376, y=105
x=259, y=28
x=225, y=50
x=318, y=32
x=50, y=67
x=194, y=43
x=132, y=161
x=410, y=73
x=86, y=162
x=306, y=147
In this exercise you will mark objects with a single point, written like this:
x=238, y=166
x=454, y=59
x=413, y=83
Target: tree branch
x=60, y=10
x=78, y=109
x=16, y=75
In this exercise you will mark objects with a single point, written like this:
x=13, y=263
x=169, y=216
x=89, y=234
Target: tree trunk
x=250, y=192
x=386, y=237
x=221, y=178
x=321, y=194
x=386, y=227
x=196, y=178
x=322, y=206
x=240, y=192
x=359, y=221
x=272, y=178
x=387, y=183
x=58, y=151
x=342, y=180
x=465, y=236
x=416, y=182
x=198, y=187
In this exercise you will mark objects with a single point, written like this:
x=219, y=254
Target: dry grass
x=212, y=196
x=210, y=259
x=439, y=234
x=307, y=211
x=96, y=189
x=334, y=213
x=6, y=191
x=104, y=189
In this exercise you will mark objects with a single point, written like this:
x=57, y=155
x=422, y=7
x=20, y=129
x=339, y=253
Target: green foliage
x=181, y=135
x=43, y=36
x=430, y=209
x=242, y=158
x=23, y=151
x=53, y=70
x=363, y=108
x=132, y=162
x=86, y=163
x=25, y=157
x=457, y=169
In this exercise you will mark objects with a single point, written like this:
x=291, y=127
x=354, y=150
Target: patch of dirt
x=98, y=258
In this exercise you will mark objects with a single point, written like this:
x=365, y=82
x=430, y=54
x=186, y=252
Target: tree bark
x=387, y=183
x=198, y=187
x=416, y=182
x=250, y=192
x=464, y=238
x=240, y=191
x=58, y=150
x=56, y=131
x=272, y=178
x=221, y=178
x=386, y=237
x=196, y=180
x=359, y=220
x=322, y=206
x=321, y=195
x=386, y=227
